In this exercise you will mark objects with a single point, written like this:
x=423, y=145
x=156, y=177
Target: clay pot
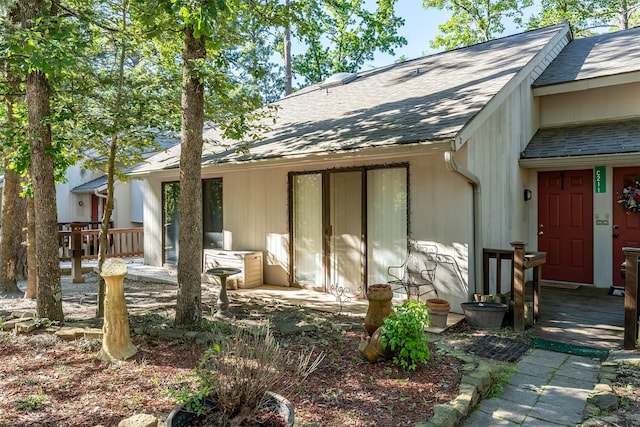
x=438, y=311
x=379, y=297
x=372, y=348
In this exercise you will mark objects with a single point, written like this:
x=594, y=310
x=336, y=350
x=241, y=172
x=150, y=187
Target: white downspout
x=451, y=164
x=100, y=211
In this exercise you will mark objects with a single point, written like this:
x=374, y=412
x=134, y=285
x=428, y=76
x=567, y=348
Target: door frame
x=619, y=175
x=326, y=244
x=588, y=257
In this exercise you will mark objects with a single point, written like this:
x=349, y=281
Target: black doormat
x=497, y=348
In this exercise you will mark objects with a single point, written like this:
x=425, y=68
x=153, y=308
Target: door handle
x=540, y=233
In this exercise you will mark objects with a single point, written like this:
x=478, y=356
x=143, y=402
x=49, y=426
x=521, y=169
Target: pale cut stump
x=116, y=341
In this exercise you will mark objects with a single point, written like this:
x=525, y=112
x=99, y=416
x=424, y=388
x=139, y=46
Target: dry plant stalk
x=243, y=369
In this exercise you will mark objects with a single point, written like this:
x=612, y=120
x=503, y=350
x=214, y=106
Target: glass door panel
x=307, y=230
x=346, y=246
x=386, y=221
x=171, y=219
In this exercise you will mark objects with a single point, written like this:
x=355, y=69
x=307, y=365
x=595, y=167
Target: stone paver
x=547, y=389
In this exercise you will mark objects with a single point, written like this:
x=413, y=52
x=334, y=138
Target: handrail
x=123, y=242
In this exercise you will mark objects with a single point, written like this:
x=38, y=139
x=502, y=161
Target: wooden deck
x=585, y=316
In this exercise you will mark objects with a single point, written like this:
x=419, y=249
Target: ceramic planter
x=180, y=417
x=438, y=312
x=484, y=315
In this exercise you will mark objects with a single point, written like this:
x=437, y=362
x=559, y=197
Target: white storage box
x=249, y=262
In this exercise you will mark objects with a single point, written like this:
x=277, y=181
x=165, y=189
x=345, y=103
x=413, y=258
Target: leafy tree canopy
x=341, y=35
x=474, y=21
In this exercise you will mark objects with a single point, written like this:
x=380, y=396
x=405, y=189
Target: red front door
x=565, y=226
x=626, y=224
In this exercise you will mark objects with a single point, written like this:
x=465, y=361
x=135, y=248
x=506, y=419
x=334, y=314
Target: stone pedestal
x=116, y=341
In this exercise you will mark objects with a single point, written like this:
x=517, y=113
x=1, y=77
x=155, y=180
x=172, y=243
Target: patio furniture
x=416, y=277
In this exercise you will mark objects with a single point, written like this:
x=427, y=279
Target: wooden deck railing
x=520, y=261
x=122, y=242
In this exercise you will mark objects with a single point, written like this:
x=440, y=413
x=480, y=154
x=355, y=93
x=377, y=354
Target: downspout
x=102, y=196
x=454, y=167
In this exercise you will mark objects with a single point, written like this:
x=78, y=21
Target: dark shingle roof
x=585, y=140
x=89, y=187
x=426, y=100
x=596, y=56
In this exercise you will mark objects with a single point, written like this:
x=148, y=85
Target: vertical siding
x=598, y=104
x=153, y=221
x=494, y=152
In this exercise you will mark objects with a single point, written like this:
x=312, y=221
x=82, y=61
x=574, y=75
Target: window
x=212, y=219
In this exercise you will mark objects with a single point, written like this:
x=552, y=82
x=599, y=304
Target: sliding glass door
x=348, y=226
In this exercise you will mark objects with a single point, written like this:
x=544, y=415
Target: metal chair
x=416, y=277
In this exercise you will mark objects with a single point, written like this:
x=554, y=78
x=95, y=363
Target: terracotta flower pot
x=379, y=297
x=438, y=311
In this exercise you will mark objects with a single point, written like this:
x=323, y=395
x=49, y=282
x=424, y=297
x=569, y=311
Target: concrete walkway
x=546, y=389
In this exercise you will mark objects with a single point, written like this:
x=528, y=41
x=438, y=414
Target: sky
x=421, y=26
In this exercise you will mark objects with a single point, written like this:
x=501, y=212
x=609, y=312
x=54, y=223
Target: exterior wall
x=593, y=105
x=74, y=207
x=606, y=103
x=255, y=201
x=493, y=154
x=77, y=207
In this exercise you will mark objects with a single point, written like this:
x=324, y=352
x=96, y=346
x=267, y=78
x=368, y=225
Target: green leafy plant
x=33, y=402
x=403, y=333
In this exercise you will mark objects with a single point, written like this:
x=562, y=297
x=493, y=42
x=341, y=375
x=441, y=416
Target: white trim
x=580, y=162
x=592, y=83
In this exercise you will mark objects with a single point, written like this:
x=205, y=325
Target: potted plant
x=401, y=337
x=235, y=380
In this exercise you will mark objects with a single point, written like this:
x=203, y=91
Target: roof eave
x=584, y=84
x=580, y=162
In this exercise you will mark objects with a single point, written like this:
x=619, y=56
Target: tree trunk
x=10, y=231
x=49, y=300
x=32, y=282
x=188, y=307
x=21, y=241
x=104, y=229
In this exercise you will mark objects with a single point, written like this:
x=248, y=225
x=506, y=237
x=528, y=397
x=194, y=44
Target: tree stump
x=116, y=341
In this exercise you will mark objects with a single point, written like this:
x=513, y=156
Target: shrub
x=237, y=374
x=403, y=332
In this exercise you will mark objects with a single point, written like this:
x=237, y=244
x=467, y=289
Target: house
x=82, y=197
x=468, y=149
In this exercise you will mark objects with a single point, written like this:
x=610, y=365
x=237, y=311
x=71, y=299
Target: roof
x=423, y=101
x=617, y=137
x=99, y=184
x=596, y=56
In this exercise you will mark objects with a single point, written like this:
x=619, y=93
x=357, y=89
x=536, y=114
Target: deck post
x=631, y=298
x=76, y=251
x=518, y=285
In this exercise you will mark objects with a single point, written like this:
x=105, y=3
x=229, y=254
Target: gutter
x=472, y=179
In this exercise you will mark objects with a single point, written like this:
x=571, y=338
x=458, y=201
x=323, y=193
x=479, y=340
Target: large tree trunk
x=188, y=307
x=32, y=282
x=49, y=300
x=10, y=231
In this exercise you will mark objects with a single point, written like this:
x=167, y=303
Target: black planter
x=180, y=417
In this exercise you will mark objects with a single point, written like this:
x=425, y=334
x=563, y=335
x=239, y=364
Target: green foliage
x=32, y=403
x=587, y=16
x=500, y=376
x=341, y=35
x=473, y=21
x=403, y=332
